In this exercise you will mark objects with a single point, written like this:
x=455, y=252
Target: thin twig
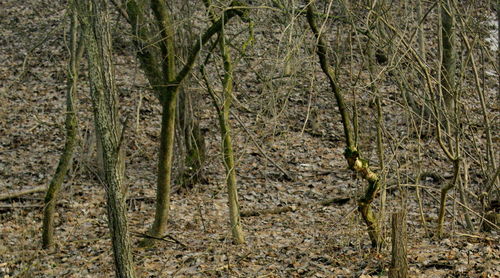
x=121, y=10
x=160, y=238
x=285, y=172
x=13, y=195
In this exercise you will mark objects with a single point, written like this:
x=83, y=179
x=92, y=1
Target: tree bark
x=164, y=79
x=95, y=24
x=352, y=155
x=52, y=193
x=448, y=62
x=399, y=262
x=444, y=196
x=223, y=110
x=193, y=143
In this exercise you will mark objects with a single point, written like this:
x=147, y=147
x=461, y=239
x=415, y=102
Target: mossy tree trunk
x=168, y=99
x=227, y=145
x=95, y=24
x=223, y=107
x=352, y=155
x=75, y=48
x=159, y=67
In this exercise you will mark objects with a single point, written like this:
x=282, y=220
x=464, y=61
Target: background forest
x=273, y=138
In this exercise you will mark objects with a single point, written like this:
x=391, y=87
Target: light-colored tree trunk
x=97, y=37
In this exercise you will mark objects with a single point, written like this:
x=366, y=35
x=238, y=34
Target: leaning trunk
x=71, y=130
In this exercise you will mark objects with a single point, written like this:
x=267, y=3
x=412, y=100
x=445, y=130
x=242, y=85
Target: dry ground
x=318, y=241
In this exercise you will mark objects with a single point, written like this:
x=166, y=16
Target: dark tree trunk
x=193, y=143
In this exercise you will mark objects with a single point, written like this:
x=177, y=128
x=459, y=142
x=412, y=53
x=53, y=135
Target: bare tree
x=76, y=50
x=222, y=104
x=352, y=154
x=160, y=69
x=95, y=24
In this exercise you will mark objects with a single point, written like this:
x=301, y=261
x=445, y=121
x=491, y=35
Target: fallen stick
x=278, y=210
x=8, y=196
x=24, y=206
x=173, y=239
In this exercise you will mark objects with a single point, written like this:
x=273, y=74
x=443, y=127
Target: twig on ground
x=278, y=210
x=160, y=238
x=13, y=195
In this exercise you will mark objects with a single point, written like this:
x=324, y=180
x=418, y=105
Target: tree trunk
x=165, y=159
x=223, y=110
x=95, y=23
x=232, y=191
x=192, y=138
x=193, y=144
x=352, y=155
x=448, y=62
x=444, y=196
x=76, y=47
x=399, y=262
x=165, y=80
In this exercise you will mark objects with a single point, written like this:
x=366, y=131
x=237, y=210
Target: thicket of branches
x=409, y=88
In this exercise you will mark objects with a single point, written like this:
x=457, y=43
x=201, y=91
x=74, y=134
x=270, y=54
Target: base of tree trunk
x=399, y=262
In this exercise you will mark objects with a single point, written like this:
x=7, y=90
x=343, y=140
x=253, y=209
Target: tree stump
x=399, y=262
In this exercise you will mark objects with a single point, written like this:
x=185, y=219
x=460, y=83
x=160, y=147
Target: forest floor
x=312, y=240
